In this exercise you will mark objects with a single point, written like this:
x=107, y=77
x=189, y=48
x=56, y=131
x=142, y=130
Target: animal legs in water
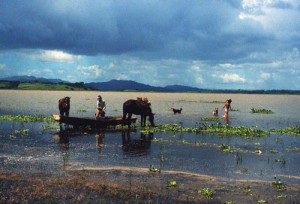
x=143, y=120
x=129, y=118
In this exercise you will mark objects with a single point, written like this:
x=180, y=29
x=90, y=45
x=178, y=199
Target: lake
x=51, y=149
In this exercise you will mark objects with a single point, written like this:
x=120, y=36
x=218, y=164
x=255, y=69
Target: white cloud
x=90, y=71
x=232, y=78
x=199, y=79
x=47, y=73
x=227, y=66
x=2, y=66
x=56, y=56
x=195, y=68
x=265, y=76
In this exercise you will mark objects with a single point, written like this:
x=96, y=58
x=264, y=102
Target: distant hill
x=18, y=82
x=123, y=85
x=128, y=85
x=180, y=88
x=33, y=79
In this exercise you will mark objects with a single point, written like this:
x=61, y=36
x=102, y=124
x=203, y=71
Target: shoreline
x=138, y=185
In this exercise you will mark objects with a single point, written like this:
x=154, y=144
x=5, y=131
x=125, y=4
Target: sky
x=215, y=44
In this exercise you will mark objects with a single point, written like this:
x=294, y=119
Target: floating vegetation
x=211, y=128
x=274, y=151
x=49, y=127
x=23, y=132
x=279, y=184
x=230, y=202
x=293, y=149
x=153, y=168
x=282, y=196
x=262, y=111
x=81, y=111
x=288, y=130
x=207, y=192
x=227, y=149
x=27, y=118
x=172, y=183
x=214, y=119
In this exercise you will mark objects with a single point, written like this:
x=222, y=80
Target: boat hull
x=89, y=121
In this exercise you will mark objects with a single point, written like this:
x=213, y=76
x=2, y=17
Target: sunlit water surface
x=51, y=150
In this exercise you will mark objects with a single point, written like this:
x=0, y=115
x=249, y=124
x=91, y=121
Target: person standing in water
x=226, y=107
x=101, y=107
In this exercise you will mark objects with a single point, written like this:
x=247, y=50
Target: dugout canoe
x=91, y=121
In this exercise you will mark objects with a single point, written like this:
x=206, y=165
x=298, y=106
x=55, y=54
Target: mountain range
x=112, y=85
x=128, y=85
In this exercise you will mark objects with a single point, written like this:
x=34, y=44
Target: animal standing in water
x=216, y=112
x=138, y=107
x=64, y=105
x=176, y=110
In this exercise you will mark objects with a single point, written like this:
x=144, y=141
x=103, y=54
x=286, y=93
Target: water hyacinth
x=27, y=118
x=218, y=128
x=288, y=130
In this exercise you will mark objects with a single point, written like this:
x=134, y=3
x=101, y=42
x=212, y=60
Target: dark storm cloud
x=192, y=29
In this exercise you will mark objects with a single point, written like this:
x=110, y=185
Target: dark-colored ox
x=137, y=107
x=64, y=106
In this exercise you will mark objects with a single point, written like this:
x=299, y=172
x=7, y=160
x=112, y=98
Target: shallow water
x=53, y=150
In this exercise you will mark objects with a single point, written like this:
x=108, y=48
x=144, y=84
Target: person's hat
x=99, y=97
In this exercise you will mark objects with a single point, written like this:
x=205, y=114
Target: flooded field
x=40, y=147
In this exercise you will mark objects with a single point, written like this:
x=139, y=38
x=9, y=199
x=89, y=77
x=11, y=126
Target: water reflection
x=65, y=133
x=138, y=146
x=133, y=143
x=99, y=139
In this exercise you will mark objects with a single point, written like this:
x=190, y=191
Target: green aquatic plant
x=274, y=151
x=282, y=196
x=230, y=202
x=27, y=118
x=245, y=132
x=217, y=128
x=50, y=127
x=215, y=119
x=261, y=111
x=153, y=168
x=226, y=148
x=172, y=183
x=23, y=132
x=287, y=130
x=81, y=111
x=207, y=192
x=279, y=184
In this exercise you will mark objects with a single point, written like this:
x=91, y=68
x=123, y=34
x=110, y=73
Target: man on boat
x=101, y=107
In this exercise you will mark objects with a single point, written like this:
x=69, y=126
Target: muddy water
x=54, y=150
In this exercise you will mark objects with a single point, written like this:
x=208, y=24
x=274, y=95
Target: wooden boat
x=91, y=121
